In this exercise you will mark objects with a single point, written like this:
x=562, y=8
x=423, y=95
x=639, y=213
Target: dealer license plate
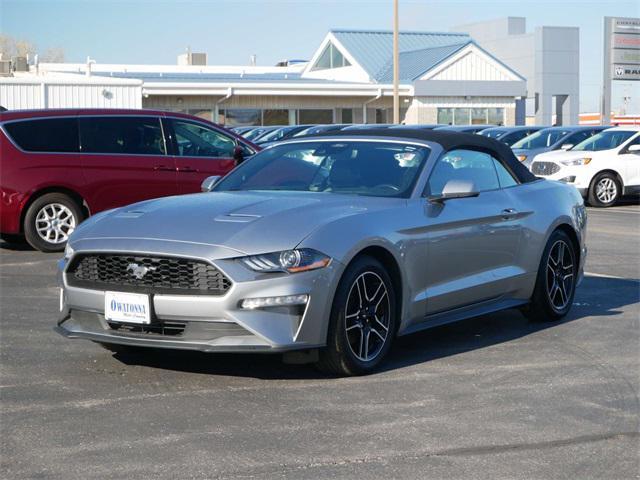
x=127, y=307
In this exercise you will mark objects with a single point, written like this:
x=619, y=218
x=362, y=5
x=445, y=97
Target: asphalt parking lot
x=493, y=397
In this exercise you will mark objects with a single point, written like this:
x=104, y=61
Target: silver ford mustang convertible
x=327, y=248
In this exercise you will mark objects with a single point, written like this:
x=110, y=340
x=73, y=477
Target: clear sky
x=148, y=31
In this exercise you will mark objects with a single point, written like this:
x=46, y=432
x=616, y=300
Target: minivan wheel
x=363, y=320
x=50, y=220
x=605, y=190
x=556, y=281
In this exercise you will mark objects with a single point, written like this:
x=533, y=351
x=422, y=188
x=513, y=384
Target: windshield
x=604, y=140
x=541, y=139
x=255, y=133
x=277, y=134
x=493, y=132
x=381, y=169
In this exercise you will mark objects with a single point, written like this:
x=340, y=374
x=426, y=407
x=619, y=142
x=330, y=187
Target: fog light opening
x=265, y=302
x=571, y=179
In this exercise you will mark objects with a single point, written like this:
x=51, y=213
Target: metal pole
x=605, y=109
x=396, y=66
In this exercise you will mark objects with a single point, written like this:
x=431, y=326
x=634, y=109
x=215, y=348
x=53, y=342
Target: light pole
x=396, y=66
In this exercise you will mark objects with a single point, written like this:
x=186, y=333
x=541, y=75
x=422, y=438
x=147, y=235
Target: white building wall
x=20, y=96
x=93, y=96
x=472, y=66
x=18, y=93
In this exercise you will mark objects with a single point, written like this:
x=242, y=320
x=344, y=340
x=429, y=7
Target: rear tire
x=605, y=190
x=556, y=281
x=49, y=221
x=363, y=320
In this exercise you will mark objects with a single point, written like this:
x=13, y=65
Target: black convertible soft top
x=448, y=141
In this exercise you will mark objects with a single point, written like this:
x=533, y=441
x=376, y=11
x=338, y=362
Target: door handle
x=163, y=168
x=509, y=213
x=187, y=170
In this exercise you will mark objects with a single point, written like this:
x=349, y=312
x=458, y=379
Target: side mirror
x=634, y=149
x=567, y=146
x=455, y=189
x=209, y=182
x=238, y=153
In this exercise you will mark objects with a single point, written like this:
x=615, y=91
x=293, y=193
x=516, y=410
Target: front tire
x=50, y=220
x=605, y=190
x=556, y=281
x=363, y=320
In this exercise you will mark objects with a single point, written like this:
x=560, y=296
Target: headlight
x=292, y=261
x=576, y=161
x=522, y=158
x=68, y=251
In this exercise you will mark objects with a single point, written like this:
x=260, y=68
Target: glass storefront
x=471, y=116
x=275, y=117
x=315, y=116
x=233, y=117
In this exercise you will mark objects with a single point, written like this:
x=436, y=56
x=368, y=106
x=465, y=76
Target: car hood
x=557, y=155
x=530, y=153
x=245, y=222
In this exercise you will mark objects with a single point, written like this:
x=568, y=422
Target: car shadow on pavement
x=16, y=247
x=596, y=297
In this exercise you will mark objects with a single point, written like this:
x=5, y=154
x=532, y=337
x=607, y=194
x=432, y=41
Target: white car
x=603, y=167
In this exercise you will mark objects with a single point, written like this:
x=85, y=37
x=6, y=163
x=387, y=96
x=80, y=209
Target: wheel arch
x=53, y=189
x=573, y=236
x=607, y=170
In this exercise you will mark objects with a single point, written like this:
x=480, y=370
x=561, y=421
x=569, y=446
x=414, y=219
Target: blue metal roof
x=419, y=51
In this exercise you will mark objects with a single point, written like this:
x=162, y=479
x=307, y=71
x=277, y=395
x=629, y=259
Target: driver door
x=472, y=243
x=199, y=152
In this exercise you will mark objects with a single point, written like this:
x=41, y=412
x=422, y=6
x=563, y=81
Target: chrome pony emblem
x=139, y=271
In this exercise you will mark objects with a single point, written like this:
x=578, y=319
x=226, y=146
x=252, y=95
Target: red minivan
x=59, y=166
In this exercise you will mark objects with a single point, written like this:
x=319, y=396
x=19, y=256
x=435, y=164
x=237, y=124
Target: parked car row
x=60, y=166
x=609, y=174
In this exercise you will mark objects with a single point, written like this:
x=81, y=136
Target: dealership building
x=444, y=78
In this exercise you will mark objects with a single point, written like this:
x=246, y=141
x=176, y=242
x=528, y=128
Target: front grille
x=544, y=168
x=146, y=274
x=171, y=329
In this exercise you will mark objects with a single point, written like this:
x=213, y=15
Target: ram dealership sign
x=621, y=56
x=622, y=47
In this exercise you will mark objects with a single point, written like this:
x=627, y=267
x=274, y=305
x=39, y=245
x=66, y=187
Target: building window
x=471, y=116
x=381, y=115
x=445, y=116
x=346, y=115
x=198, y=112
x=275, y=117
x=495, y=116
x=478, y=116
x=232, y=117
x=314, y=117
x=330, y=58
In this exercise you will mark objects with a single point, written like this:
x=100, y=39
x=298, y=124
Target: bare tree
x=10, y=47
x=25, y=48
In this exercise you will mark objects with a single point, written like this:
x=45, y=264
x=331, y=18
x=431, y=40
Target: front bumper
x=212, y=323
